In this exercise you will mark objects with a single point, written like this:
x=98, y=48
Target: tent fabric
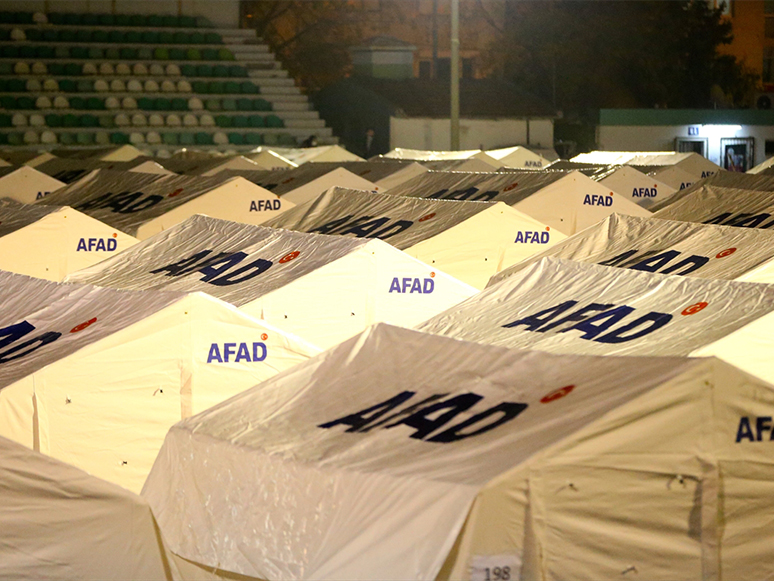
x=26, y=184
x=470, y=241
x=676, y=178
x=710, y=204
x=322, y=288
x=666, y=247
x=145, y=204
x=50, y=242
x=692, y=163
x=95, y=377
x=725, y=179
x=572, y=307
x=479, y=163
x=642, y=189
x=269, y=160
x=302, y=155
x=429, y=155
x=374, y=461
x=518, y=157
x=59, y=522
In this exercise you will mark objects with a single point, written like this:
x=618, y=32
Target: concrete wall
x=434, y=134
x=222, y=13
x=662, y=137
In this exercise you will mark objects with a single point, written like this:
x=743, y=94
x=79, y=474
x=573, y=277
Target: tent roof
x=725, y=179
x=664, y=246
x=682, y=314
x=386, y=501
x=15, y=216
x=284, y=181
x=720, y=205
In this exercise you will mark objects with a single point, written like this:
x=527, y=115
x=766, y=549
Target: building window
x=425, y=69
x=767, y=75
x=444, y=69
x=769, y=148
x=697, y=145
x=468, y=69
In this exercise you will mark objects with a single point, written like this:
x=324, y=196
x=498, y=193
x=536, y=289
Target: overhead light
x=719, y=130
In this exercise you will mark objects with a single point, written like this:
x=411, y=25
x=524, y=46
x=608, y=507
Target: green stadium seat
x=56, y=69
x=72, y=19
x=274, y=121
x=199, y=87
x=6, y=69
x=16, y=86
x=33, y=35
x=166, y=37
x=196, y=38
x=237, y=71
x=119, y=138
x=138, y=20
x=53, y=120
x=187, y=22
x=50, y=35
x=240, y=121
x=193, y=54
x=27, y=52
x=67, y=35
x=232, y=87
x=177, y=54
x=122, y=20
x=68, y=86
x=270, y=139
x=253, y=139
x=219, y=71
x=150, y=37
x=203, y=22
x=188, y=70
x=169, y=21
x=83, y=35
x=187, y=139
x=106, y=122
x=5, y=120
x=85, y=86
x=62, y=52
x=107, y=20
x=170, y=138
x=212, y=38
x=90, y=19
x=79, y=52
x=256, y=121
x=155, y=21
x=88, y=120
x=15, y=139
x=181, y=37
x=203, y=138
x=3, y=139
x=69, y=120
x=225, y=55
x=10, y=52
x=244, y=104
x=77, y=103
x=145, y=54
x=44, y=52
x=286, y=140
x=128, y=53
x=116, y=37
x=212, y=105
x=205, y=71
x=161, y=54
x=223, y=121
x=25, y=103
x=133, y=37
x=146, y=104
x=261, y=105
x=215, y=88
x=163, y=104
x=73, y=70
x=209, y=54
x=95, y=104
x=112, y=54
x=100, y=36
x=235, y=139
x=84, y=138
x=248, y=88
x=229, y=104
x=5, y=35
x=56, y=18
x=179, y=104
x=96, y=53
x=3, y=86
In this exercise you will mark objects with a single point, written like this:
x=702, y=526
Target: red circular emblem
x=264, y=336
x=289, y=256
x=115, y=235
x=82, y=326
x=557, y=394
x=432, y=275
x=726, y=252
x=427, y=217
x=287, y=181
x=175, y=193
x=509, y=188
x=694, y=308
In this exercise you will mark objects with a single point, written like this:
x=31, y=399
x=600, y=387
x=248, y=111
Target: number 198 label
x=495, y=568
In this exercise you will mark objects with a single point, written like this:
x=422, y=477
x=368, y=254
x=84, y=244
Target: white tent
x=401, y=176
x=25, y=184
x=693, y=163
x=268, y=159
x=675, y=177
x=762, y=166
x=50, y=242
x=210, y=165
x=60, y=523
x=20, y=157
x=95, y=377
x=724, y=179
x=640, y=188
x=399, y=455
x=470, y=241
x=518, y=157
x=69, y=170
x=666, y=247
x=480, y=162
x=143, y=204
x=430, y=155
x=573, y=307
x=711, y=204
x=300, y=156
x=323, y=288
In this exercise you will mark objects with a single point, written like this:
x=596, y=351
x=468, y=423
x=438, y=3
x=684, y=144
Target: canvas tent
x=302, y=155
x=429, y=155
x=470, y=241
x=762, y=166
x=60, y=523
x=675, y=177
x=693, y=163
x=50, y=242
x=209, y=166
x=25, y=184
x=518, y=157
x=20, y=157
x=70, y=170
x=144, y=205
x=666, y=247
x=725, y=179
x=399, y=455
x=711, y=204
x=640, y=188
x=95, y=377
x=322, y=288
x=408, y=172
x=267, y=159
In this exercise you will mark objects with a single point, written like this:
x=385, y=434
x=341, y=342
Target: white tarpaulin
x=710, y=204
x=60, y=523
x=209, y=166
x=51, y=242
x=430, y=155
x=95, y=377
x=642, y=189
x=725, y=179
x=693, y=163
x=675, y=177
x=143, y=205
x=470, y=241
x=322, y=288
x=574, y=307
x=26, y=184
x=399, y=455
x=518, y=157
x=302, y=155
x=267, y=159
x=667, y=247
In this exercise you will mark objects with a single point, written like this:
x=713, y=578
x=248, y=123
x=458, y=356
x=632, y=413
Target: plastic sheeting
x=143, y=205
x=95, y=377
x=384, y=458
x=60, y=523
x=50, y=242
x=323, y=288
x=710, y=204
x=667, y=247
x=468, y=240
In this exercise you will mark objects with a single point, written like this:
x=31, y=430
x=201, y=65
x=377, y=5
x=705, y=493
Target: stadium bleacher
x=154, y=80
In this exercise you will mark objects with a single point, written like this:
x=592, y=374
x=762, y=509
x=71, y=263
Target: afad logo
x=684, y=185
x=122, y=202
x=662, y=261
x=238, y=352
x=742, y=220
x=367, y=226
x=222, y=269
x=41, y=195
x=600, y=322
x=746, y=432
x=432, y=419
x=265, y=205
x=644, y=192
x=471, y=194
x=533, y=163
x=595, y=200
x=97, y=244
x=532, y=237
x=410, y=285
x=11, y=348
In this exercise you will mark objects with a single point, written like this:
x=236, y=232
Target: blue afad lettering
x=218, y=269
x=41, y=195
x=265, y=205
x=644, y=193
x=532, y=237
x=364, y=227
x=412, y=285
x=533, y=163
x=120, y=203
x=237, y=352
x=9, y=336
x=684, y=185
x=433, y=419
x=603, y=323
x=742, y=220
x=97, y=244
x=661, y=261
x=595, y=200
x=754, y=429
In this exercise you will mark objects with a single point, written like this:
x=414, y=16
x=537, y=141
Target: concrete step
x=264, y=74
x=247, y=48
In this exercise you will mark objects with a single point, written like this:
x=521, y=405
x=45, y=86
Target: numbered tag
x=495, y=568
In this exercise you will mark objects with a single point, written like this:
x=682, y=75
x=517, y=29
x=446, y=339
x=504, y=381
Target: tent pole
x=455, y=75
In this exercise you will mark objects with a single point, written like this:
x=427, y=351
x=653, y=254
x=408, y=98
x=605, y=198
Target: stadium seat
x=244, y=104
x=177, y=54
x=170, y=21
x=166, y=37
x=16, y=86
x=193, y=54
x=107, y=20
x=163, y=104
x=146, y=104
x=188, y=70
x=128, y=54
x=161, y=54
x=168, y=87
x=33, y=86
x=136, y=138
x=237, y=71
x=220, y=71
x=173, y=120
x=113, y=53
x=48, y=137
x=101, y=138
x=199, y=87
x=10, y=52
x=173, y=70
x=112, y=103
x=195, y=104
x=107, y=69
x=122, y=69
x=37, y=120
x=117, y=37
x=274, y=121
x=206, y=120
x=88, y=120
x=90, y=19
x=6, y=68
x=31, y=137
x=50, y=35
x=62, y=52
x=43, y=102
x=240, y=121
x=85, y=86
x=100, y=36
x=212, y=38
x=209, y=54
x=27, y=52
x=140, y=70
x=261, y=105
x=134, y=86
x=225, y=55
x=5, y=120
x=153, y=138
x=156, y=70
x=7, y=102
x=33, y=35
x=253, y=139
x=151, y=86
x=39, y=18
x=181, y=37
x=96, y=53
x=133, y=37
x=56, y=69
x=122, y=120
x=202, y=138
x=61, y=102
x=68, y=86
x=67, y=36
x=215, y=88
x=45, y=52
x=119, y=138
x=229, y=104
x=138, y=20
x=155, y=120
x=19, y=120
x=18, y=34
x=190, y=120
x=84, y=138
x=69, y=120
x=83, y=35
x=27, y=103
x=139, y=120
x=211, y=105
x=73, y=69
x=101, y=86
x=106, y=122
x=21, y=68
x=256, y=121
x=235, y=138
x=248, y=88
x=232, y=87
x=15, y=138
x=169, y=138
x=39, y=69
x=220, y=138
x=184, y=87
x=95, y=104
x=122, y=20
x=128, y=103
x=223, y=120
x=150, y=37
x=79, y=52
x=145, y=54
